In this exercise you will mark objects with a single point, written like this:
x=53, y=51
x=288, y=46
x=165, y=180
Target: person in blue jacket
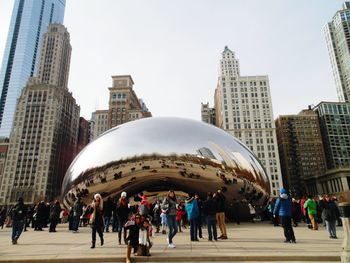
x=283, y=208
x=192, y=211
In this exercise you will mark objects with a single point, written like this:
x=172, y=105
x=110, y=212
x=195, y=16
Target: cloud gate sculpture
x=158, y=154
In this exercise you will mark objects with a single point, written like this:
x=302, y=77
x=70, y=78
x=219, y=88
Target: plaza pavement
x=248, y=242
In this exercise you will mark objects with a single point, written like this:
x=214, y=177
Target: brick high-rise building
x=301, y=151
x=45, y=131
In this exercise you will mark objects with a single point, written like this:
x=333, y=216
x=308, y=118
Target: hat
x=123, y=194
x=283, y=191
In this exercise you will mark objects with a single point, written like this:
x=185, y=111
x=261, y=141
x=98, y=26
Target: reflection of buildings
x=206, y=152
x=44, y=136
x=124, y=106
x=83, y=134
x=208, y=114
x=243, y=107
x=29, y=21
x=301, y=151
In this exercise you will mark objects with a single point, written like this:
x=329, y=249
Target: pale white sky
x=172, y=49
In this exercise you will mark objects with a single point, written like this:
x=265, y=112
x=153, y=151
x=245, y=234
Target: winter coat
x=210, y=207
x=19, y=212
x=55, y=211
x=311, y=206
x=169, y=205
x=220, y=199
x=283, y=206
x=96, y=220
x=123, y=208
x=192, y=209
x=78, y=209
x=330, y=210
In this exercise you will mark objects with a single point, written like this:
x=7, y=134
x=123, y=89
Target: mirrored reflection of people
x=169, y=207
x=220, y=213
x=96, y=219
x=283, y=208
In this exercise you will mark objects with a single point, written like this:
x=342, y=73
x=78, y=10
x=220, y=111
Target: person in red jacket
x=179, y=214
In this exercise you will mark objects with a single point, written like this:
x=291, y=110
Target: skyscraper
x=338, y=41
x=208, y=113
x=44, y=136
x=301, y=151
x=243, y=108
x=30, y=19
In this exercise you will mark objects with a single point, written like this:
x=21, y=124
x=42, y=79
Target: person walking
x=209, y=210
x=311, y=207
x=96, y=219
x=283, y=208
x=220, y=213
x=169, y=206
x=77, y=212
x=192, y=211
x=122, y=215
x=55, y=212
x=18, y=215
x=331, y=213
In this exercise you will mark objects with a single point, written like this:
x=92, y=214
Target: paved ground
x=247, y=242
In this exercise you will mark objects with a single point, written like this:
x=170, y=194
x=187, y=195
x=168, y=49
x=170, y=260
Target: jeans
x=193, y=229
x=171, y=220
x=17, y=228
x=211, y=224
x=287, y=227
x=76, y=220
x=107, y=222
x=331, y=228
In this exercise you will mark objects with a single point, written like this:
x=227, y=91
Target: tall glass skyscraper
x=30, y=19
x=338, y=41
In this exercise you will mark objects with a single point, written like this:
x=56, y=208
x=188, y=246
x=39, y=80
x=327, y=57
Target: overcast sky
x=172, y=50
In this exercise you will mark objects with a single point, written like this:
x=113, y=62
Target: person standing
x=96, y=219
x=192, y=211
x=122, y=215
x=200, y=209
x=169, y=206
x=283, y=208
x=55, y=212
x=209, y=210
x=331, y=212
x=220, y=213
x=133, y=237
x=18, y=215
x=77, y=212
x=107, y=212
x=311, y=207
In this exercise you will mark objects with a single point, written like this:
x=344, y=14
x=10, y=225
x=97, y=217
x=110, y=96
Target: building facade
x=123, y=106
x=337, y=34
x=4, y=144
x=30, y=19
x=208, y=113
x=243, y=108
x=44, y=137
x=301, y=152
x=83, y=134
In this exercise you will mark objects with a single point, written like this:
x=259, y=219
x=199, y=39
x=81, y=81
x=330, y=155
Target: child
x=163, y=222
x=133, y=237
x=179, y=214
x=144, y=239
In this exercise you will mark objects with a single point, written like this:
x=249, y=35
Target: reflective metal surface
x=156, y=154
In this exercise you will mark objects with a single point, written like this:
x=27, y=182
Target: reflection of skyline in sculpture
x=206, y=152
x=155, y=155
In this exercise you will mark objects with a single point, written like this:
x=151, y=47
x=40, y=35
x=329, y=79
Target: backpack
x=144, y=210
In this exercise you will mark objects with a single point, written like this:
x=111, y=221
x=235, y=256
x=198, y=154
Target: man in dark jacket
x=330, y=212
x=18, y=214
x=77, y=212
x=209, y=210
x=283, y=208
x=107, y=212
x=55, y=212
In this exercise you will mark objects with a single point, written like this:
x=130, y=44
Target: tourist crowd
x=137, y=223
